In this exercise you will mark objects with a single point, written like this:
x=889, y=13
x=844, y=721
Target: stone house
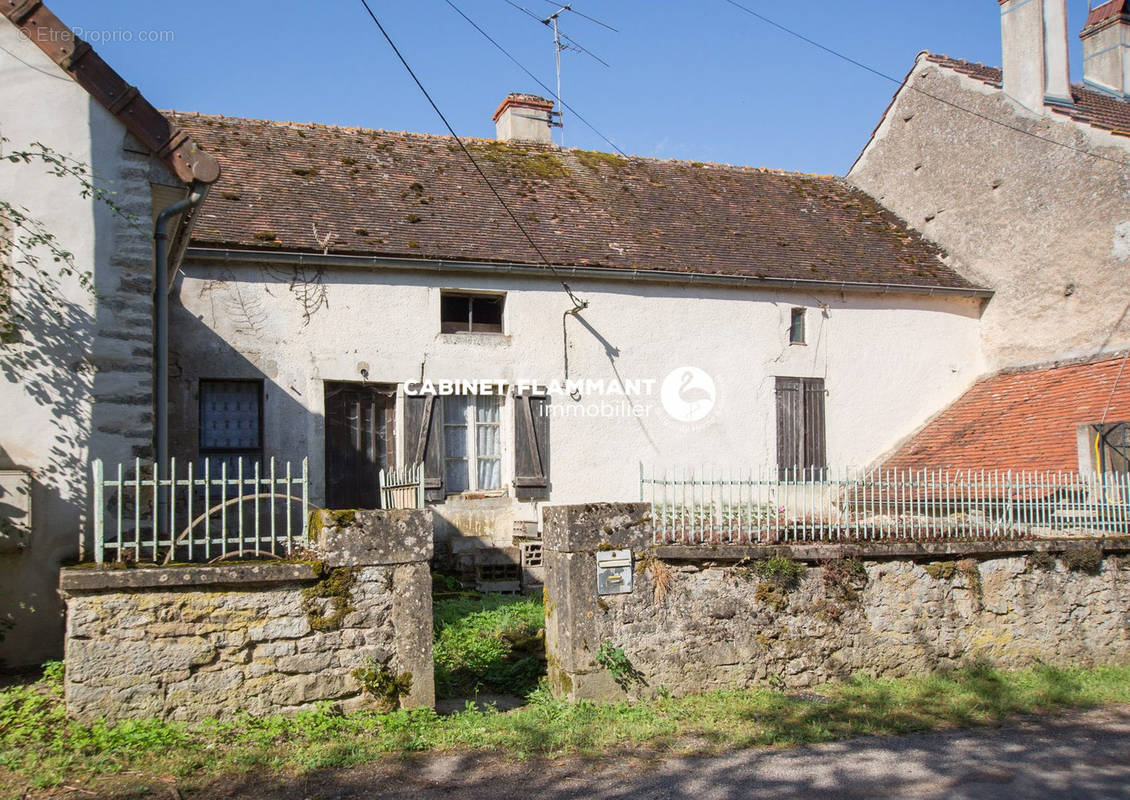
x=1023, y=179
x=335, y=271
x=76, y=373
x=361, y=299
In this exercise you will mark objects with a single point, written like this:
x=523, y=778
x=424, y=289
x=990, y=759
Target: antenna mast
x=557, y=48
x=562, y=42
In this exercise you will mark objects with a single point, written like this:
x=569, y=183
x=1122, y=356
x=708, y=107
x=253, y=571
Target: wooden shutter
x=531, y=446
x=814, y=447
x=790, y=426
x=423, y=442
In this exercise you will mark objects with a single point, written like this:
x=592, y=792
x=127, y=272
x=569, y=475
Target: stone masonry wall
x=188, y=643
x=713, y=623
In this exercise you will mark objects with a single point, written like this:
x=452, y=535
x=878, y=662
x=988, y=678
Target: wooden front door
x=360, y=420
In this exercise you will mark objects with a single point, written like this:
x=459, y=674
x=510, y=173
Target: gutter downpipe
x=161, y=323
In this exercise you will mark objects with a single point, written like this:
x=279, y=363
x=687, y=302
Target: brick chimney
x=1034, y=52
x=526, y=117
x=1106, y=47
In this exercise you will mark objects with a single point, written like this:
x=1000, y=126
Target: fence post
x=98, y=509
x=305, y=499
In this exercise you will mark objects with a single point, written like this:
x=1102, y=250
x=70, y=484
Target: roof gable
x=79, y=60
x=408, y=195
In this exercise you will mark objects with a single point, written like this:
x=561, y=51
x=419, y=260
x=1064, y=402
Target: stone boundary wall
x=702, y=618
x=352, y=626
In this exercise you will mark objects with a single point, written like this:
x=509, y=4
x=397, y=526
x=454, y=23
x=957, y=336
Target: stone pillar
x=401, y=539
x=572, y=535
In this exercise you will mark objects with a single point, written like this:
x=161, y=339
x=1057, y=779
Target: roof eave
x=250, y=255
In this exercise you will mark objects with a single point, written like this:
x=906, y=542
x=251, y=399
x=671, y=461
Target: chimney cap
x=1107, y=11
x=522, y=100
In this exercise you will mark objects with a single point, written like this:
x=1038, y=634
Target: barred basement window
x=470, y=313
x=231, y=423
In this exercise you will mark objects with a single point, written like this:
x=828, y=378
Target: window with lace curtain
x=472, y=439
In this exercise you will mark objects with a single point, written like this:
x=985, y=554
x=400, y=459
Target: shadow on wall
x=50, y=364
x=290, y=430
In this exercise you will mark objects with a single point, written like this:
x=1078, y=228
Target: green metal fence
x=765, y=505
x=198, y=512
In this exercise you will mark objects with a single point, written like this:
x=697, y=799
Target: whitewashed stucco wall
x=81, y=346
x=889, y=361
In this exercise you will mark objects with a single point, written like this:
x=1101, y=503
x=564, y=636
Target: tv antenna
x=562, y=42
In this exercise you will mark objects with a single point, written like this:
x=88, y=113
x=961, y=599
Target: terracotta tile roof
x=417, y=196
x=1092, y=107
x=1106, y=11
x=1022, y=420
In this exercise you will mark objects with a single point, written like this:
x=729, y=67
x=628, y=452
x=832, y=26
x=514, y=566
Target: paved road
x=1082, y=755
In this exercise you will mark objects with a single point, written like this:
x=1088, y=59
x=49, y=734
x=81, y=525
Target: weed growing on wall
x=382, y=684
x=780, y=571
x=1083, y=559
x=1039, y=561
x=844, y=579
x=616, y=661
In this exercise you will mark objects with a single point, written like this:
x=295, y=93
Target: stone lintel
x=83, y=580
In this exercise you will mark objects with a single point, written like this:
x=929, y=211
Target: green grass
x=40, y=747
x=488, y=643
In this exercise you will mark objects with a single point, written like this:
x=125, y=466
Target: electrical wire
x=892, y=79
x=569, y=7
x=578, y=304
x=32, y=66
x=533, y=77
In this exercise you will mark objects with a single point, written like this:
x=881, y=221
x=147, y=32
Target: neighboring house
x=77, y=383
x=331, y=266
x=1004, y=188
x=1024, y=180
x=1065, y=417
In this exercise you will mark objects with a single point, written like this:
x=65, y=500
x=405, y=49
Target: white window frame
x=470, y=425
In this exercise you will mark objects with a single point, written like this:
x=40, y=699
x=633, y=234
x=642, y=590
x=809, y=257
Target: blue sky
x=698, y=80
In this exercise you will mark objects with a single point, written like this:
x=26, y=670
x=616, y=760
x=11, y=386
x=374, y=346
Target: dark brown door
x=359, y=442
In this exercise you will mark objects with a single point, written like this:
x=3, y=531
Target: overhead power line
x=950, y=103
x=578, y=304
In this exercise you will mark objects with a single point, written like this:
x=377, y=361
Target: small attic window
x=461, y=312
x=796, y=327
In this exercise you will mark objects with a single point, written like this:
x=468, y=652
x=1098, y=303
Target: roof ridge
x=330, y=126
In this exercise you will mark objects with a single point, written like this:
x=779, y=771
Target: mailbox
x=614, y=572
